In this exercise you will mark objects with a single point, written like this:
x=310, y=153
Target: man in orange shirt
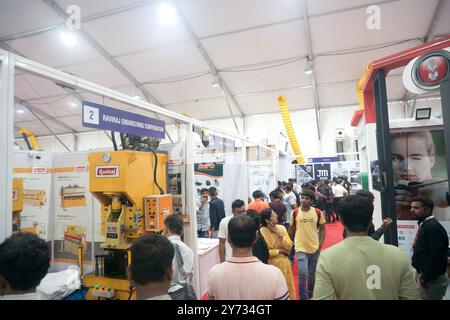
x=258, y=205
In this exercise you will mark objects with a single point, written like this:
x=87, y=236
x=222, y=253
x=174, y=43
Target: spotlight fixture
x=20, y=111
x=308, y=70
x=73, y=104
x=215, y=83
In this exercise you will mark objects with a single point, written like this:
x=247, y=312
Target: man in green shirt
x=360, y=268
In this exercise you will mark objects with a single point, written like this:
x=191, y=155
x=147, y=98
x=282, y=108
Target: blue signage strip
x=106, y=118
x=323, y=159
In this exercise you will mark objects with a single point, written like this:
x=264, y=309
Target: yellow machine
x=74, y=238
x=17, y=202
x=73, y=196
x=132, y=205
x=34, y=197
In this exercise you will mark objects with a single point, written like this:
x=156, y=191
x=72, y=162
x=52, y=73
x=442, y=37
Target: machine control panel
x=103, y=292
x=156, y=209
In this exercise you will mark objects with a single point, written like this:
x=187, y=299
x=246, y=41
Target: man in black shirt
x=277, y=205
x=430, y=251
x=216, y=211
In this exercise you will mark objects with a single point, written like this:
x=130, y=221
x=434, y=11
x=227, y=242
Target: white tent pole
x=6, y=142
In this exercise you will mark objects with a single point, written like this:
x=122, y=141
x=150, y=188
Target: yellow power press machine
x=130, y=186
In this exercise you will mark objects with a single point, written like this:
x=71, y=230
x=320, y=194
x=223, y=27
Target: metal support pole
x=6, y=142
x=190, y=203
x=246, y=171
x=385, y=157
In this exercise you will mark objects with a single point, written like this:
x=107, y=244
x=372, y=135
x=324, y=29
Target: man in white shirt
x=24, y=262
x=225, y=252
x=339, y=192
x=151, y=267
x=173, y=232
x=290, y=201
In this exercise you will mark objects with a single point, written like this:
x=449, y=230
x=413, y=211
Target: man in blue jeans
x=308, y=230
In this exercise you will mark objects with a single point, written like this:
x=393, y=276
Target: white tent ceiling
x=258, y=48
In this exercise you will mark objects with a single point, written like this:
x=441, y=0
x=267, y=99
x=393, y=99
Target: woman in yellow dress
x=279, y=245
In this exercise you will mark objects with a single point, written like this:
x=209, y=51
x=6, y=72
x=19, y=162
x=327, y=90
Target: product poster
x=73, y=210
x=304, y=173
x=322, y=171
x=73, y=213
x=208, y=175
x=406, y=230
x=419, y=169
x=36, y=172
x=261, y=177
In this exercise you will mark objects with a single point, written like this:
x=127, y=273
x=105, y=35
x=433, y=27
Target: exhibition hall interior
x=187, y=149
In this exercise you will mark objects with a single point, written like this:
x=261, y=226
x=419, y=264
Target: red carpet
x=333, y=236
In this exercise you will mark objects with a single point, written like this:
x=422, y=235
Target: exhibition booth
x=405, y=150
x=90, y=205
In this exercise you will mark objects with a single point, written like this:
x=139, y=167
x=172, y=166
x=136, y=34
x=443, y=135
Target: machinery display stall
x=405, y=155
x=101, y=200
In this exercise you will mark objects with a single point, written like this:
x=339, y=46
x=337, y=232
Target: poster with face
x=419, y=169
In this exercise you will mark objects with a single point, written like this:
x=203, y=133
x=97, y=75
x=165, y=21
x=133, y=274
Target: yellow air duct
x=359, y=86
x=29, y=138
x=290, y=129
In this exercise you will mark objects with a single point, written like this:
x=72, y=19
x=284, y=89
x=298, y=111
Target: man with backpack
x=307, y=229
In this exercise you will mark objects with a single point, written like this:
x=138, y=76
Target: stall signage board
x=106, y=118
x=323, y=159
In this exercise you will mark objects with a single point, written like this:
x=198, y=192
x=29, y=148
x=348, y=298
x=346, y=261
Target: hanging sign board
x=106, y=118
x=323, y=159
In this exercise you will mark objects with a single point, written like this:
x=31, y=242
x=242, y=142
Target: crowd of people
x=257, y=247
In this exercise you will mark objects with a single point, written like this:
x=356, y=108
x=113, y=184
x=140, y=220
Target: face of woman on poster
x=412, y=157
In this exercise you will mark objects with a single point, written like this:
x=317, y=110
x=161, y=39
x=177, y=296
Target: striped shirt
x=246, y=278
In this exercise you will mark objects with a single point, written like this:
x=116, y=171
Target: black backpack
x=297, y=198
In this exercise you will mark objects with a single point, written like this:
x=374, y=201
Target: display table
x=208, y=256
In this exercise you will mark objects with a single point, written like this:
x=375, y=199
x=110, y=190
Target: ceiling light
x=20, y=111
x=309, y=67
x=308, y=71
x=167, y=13
x=137, y=97
x=73, y=104
x=215, y=83
x=68, y=38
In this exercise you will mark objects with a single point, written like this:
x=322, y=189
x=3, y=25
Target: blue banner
x=106, y=118
x=323, y=159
